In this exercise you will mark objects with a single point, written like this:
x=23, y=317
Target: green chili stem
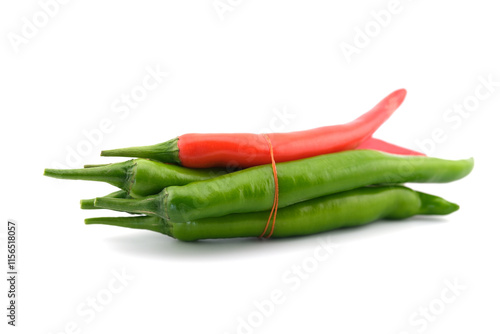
x=88, y=204
x=115, y=174
x=137, y=222
x=149, y=205
x=166, y=152
x=95, y=165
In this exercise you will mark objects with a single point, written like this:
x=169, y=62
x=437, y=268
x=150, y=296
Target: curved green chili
x=138, y=177
x=351, y=208
x=252, y=189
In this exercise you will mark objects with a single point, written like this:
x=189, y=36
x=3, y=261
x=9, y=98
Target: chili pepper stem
x=165, y=152
x=95, y=165
x=114, y=174
x=88, y=204
x=151, y=205
x=154, y=224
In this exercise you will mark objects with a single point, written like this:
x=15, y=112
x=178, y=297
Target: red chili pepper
x=247, y=149
x=380, y=145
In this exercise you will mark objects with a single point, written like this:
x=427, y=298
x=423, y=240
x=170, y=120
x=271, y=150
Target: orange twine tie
x=274, y=209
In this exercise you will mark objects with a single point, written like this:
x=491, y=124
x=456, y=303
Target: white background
x=231, y=73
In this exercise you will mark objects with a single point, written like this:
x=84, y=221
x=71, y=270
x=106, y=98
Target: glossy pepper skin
x=252, y=189
x=351, y=208
x=247, y=149
x=138, y=177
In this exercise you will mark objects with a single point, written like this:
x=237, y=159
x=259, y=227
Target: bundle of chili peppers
x=203, y=186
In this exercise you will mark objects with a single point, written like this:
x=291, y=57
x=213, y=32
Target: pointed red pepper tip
x=395, y=99
x=399, y=95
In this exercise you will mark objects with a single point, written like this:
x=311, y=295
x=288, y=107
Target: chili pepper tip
x=434, y=205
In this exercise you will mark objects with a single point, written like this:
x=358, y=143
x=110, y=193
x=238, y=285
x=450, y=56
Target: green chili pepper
x=138, y=177
x=252, y=189
x=350, y=208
